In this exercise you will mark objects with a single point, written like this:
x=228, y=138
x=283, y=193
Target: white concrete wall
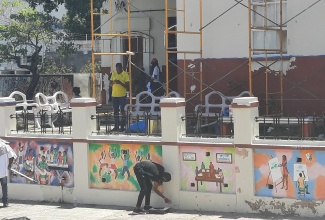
x=305, y=32
x=244, y=201
x=225, y=37
x=228, y=36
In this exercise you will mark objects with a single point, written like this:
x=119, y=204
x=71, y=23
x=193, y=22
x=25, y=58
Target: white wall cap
x=82, y=100
x=245, y=100
x=172, y=100
x=6, y=99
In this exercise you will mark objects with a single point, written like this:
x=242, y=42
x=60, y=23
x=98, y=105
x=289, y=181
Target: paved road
x=18, y=210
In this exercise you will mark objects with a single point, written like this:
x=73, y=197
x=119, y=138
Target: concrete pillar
x=173, y=127
x=245, y=110
x=7, y=108
x=82, y=110
x=82, y=126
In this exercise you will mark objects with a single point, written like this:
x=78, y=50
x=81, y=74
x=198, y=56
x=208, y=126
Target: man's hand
x=167, y=200
x=117, y=81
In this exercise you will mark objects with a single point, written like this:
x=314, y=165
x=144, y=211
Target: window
x=266, y=23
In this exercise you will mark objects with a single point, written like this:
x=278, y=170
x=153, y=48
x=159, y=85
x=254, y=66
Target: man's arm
x=125, y=85
x=156, y=190
x=11, y=160
x=155, y=73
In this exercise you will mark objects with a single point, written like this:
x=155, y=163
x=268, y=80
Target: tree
x=77, y=19
x=48, y=5
x=27, y=33
x=87, y=68
x=51, y=66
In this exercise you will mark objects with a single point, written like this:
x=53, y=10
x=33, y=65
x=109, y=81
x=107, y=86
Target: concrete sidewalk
x=61, y=211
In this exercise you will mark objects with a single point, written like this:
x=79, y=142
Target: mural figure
x=55, y=156
x=20, y=153
x=285, y=172
x=65, y=158
x=125, y=159
x=43, y=175
x=211, y=168
x=302, y=185
x=113, y=165
x=202, y=166
x=138, y=157
x=103, y=167
x=16, y=166
x=29, y=163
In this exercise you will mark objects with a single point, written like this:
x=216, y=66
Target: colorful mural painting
x=111, y=165
x=208, y=169
x=298, y=174
x=48, y=163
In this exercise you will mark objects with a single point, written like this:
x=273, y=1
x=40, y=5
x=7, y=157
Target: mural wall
x=48, y=84
x=208, y=169
x=298, y=174
x=48, y=163
x=111, y=165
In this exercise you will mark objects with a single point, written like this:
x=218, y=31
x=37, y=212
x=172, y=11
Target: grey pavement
x=23, y=210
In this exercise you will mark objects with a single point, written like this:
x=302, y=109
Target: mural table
x=206, y=175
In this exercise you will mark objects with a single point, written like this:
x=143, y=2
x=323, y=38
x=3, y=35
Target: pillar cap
x=172, y=100
x=83, y=102
x=245, y=102
x=7, y=101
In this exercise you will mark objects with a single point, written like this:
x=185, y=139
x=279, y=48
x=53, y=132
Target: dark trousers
x=4, y=189
x=118, y=105
x=157, y=89
x=145, y=187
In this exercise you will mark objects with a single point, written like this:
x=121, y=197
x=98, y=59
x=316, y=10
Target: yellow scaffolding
x=184, y=31
x=111, y=33
x=268, y=26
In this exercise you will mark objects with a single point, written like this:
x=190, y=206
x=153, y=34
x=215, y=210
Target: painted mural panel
x=111, y=165
x=47, y=162
x=287, y=173
x=208, y=169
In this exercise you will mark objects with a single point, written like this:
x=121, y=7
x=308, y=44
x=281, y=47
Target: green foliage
x=77, y=20
x=48, y=5
x=26, y=33
x=50, y=66
x=87, y=68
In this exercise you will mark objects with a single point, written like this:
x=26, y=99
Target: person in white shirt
x=7, y=156
x=156, y=86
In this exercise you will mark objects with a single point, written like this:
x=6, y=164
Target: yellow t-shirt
x=117, y=89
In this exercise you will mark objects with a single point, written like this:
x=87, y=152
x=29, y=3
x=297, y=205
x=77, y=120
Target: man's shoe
x=122, y=130
x=147, y=207
x=5, y=204
x=138, y=210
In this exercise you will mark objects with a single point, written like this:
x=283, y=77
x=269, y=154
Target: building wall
x=228, y=35
x=226, y=50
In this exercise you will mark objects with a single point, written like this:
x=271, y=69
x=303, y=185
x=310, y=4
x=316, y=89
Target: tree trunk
x=32, y=86
x=35, y=75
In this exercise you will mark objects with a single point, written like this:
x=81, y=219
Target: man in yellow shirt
x=120, y=83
